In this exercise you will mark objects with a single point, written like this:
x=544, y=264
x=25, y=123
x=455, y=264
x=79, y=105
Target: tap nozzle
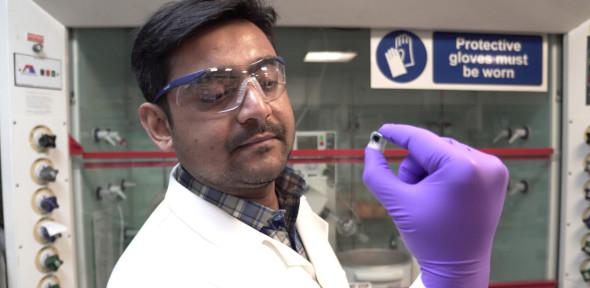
x=111, y=137
x=505, y=133
x=515, y=187
x=520, y=133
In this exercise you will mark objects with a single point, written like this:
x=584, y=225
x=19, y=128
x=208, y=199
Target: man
x=233, y=215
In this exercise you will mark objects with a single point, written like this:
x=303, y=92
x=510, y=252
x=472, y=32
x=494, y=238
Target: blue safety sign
x=401, y=56
x=493, y=59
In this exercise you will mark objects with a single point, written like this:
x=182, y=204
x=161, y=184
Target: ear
x=156, y=125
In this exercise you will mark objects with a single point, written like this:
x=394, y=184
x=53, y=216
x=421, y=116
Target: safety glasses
x=217, y=90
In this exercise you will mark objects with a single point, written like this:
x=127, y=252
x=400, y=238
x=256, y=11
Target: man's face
x=241, y=150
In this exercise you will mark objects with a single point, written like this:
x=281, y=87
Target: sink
x=379, y=267
x=372, y=257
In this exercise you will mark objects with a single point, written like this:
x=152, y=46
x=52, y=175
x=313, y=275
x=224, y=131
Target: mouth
x=257, y=140
x=258, y=135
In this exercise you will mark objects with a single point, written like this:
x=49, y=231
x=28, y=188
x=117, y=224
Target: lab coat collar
x=221, y=229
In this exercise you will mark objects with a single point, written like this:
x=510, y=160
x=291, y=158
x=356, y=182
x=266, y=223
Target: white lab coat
x=188, y=242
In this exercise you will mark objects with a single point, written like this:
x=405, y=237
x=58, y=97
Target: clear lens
x=218, y=89
x=213, y=91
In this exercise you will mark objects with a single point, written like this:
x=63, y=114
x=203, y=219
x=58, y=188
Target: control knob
x=49, y=204
x=47, y=141
x=586, y=217
x=48, y=260
x=43, y=171
x=44, y=201
x=52, y=263
x=42, y=138
x=49, y=281
x=48, y=231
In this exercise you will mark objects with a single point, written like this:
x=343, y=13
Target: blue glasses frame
x=188, y=78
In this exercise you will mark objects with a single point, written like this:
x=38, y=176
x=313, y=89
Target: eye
x=214, y=87
x=212, y=97
x=268, y=77
x=205, y=96
x=268, y=84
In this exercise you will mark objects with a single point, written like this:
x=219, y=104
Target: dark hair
x=178, y=21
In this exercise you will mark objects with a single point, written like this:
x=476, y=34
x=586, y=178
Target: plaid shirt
x=277, y=224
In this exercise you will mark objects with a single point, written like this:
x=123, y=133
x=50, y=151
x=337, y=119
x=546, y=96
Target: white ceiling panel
x=545, y=16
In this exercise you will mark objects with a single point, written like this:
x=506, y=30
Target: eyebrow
x=249, y=62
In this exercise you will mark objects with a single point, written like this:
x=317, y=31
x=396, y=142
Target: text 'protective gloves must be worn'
x=446, y=202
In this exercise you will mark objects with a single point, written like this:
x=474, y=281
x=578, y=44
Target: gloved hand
x=446, y=202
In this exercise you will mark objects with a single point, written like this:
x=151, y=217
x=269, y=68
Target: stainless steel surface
x=372, y=257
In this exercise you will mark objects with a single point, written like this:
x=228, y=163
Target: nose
x=253, y=107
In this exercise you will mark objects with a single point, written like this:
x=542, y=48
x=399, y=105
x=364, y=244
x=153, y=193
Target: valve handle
x=47, y=141
x=49, y=204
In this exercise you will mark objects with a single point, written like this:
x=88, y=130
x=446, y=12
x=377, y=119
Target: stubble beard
x=242, y=174
x=239, y=177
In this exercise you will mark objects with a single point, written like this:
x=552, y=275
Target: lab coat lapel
x=313, y=231
x=289, y=256
x=221, y=228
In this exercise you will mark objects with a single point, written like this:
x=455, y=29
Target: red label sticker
x=35, y=38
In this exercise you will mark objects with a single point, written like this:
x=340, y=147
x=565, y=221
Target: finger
x=429, y=150
x=449, y=140
x=380, y=179
x=457, y=144
x=388, y=54
x=410, y=171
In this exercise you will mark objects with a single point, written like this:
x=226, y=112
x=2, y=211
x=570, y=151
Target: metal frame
x=576, y=118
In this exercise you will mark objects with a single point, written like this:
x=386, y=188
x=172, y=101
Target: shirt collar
x=289, y=187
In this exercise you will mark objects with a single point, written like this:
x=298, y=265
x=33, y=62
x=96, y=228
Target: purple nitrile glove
x=446, y=202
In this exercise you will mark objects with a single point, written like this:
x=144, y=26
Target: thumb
x=410, y=171
x=379, y=178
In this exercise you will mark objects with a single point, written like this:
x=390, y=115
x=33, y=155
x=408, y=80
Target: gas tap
x=520, y=133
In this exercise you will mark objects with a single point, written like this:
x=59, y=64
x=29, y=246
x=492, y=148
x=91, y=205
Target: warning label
x=470, y=58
